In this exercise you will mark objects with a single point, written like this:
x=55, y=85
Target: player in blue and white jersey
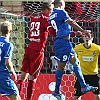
x=7, y=85
x=64, y=52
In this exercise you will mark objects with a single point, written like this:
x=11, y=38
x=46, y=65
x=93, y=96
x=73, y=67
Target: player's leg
x=21, y=81
x=76, y=65
x=14, y=97
x=77, y=90
x=31, y=87
x=58, y=75
x=61, y=50
x=23, y=76
x=85, y=88
x=24, y=69
x=35, y=67
x=93, y=80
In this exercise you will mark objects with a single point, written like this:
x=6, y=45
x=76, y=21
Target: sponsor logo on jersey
x=88, y=58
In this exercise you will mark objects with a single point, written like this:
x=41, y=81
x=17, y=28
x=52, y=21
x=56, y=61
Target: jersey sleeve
x=76, y=48
x=73, y=33
x=50, y=29
x=9, y=50
x=65, y=15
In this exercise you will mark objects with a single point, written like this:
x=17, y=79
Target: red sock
x=30, y=87
x=33, y=87
x=20, y=84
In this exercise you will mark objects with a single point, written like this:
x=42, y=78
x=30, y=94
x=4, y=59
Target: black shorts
x=92, y=80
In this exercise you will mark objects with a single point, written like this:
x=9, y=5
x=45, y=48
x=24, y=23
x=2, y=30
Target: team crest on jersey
x=94, y=53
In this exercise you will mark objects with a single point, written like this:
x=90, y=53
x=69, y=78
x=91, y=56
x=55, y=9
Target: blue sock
x=58, y=81
x=79, y=74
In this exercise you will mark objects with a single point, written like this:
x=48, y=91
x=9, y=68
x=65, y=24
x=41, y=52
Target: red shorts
x=32, y=62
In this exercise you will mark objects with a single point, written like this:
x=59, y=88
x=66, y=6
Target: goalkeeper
x=88, y=54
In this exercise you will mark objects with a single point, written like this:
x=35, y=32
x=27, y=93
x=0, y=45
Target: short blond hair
x=5, y=27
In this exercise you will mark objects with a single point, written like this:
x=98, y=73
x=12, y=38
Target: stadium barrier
x=46, y=84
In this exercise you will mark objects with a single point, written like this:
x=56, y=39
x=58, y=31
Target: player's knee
x=76, y=63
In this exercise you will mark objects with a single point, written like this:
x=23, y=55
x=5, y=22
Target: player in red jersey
x=34, y=53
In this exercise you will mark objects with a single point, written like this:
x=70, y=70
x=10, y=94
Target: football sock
x=30, y=88
x=79, y=74
x=58, y=81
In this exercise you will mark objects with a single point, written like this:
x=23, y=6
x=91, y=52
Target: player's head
x=6, y=27
x=47, y=8
x=88, y=38
x=59, y=3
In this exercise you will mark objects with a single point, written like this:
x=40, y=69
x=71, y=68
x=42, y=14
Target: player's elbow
x=71, y=22
x=51, y=31
x=8, y=62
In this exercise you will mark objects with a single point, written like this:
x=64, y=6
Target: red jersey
x=38, y=31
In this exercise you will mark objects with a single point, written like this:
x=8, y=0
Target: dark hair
x=46, y=5
x=56, y=2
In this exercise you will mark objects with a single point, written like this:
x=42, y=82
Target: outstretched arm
x=77, y=27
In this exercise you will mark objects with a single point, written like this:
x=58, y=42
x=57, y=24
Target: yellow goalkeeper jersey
x=88, y=58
